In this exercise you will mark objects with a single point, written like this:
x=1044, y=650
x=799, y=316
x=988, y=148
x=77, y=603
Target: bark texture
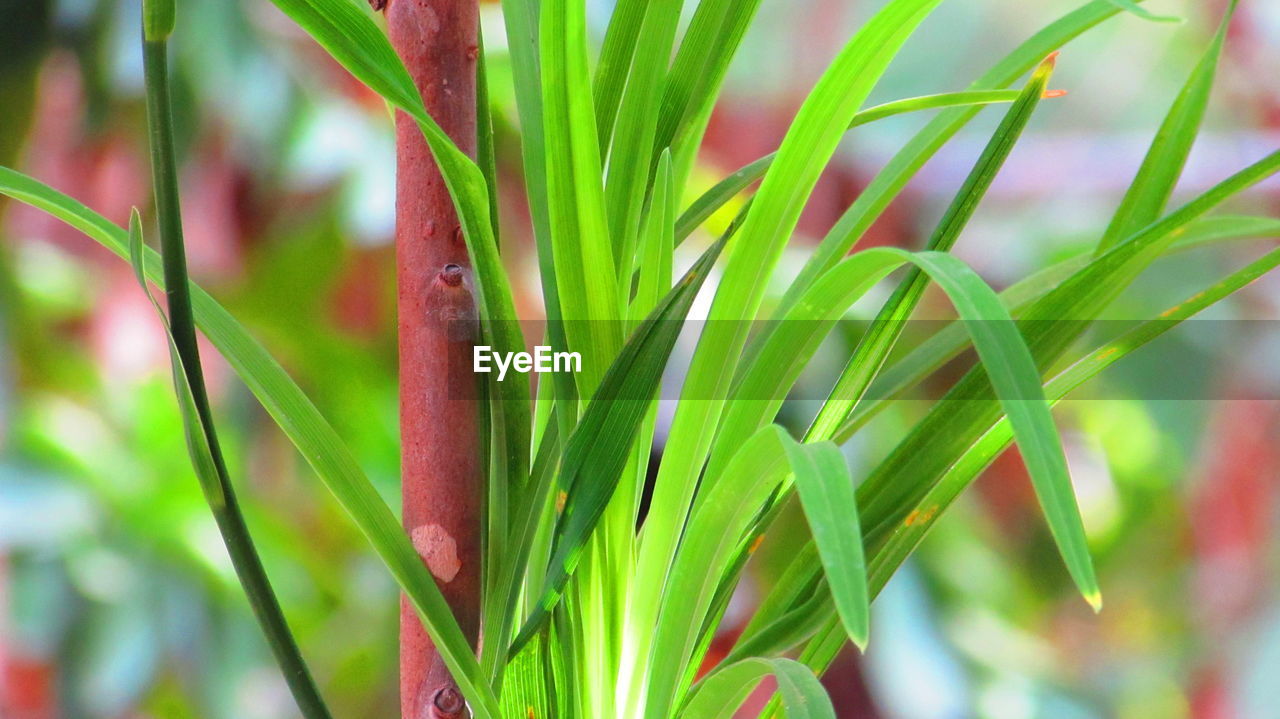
x=442, y=474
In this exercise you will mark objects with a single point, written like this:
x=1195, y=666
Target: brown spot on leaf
x=921, y=516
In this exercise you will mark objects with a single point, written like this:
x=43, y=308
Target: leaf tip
x=1046, y=66
x=860, y=640
x=1094, y=598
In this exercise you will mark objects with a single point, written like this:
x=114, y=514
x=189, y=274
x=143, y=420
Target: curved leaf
x=720, y=694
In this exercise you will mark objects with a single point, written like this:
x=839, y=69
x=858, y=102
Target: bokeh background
x=117, y=599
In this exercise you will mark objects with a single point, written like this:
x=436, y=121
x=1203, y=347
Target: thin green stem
x=231, y=524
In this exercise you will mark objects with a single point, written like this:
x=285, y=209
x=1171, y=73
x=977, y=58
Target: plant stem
x=231, y=524
x=442, y=450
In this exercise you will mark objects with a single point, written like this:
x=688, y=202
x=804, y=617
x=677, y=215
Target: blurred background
x=117, y=599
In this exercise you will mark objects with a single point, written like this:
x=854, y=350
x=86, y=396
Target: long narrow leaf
x=1149, y=193
x=1050, y=326
x=717, y=528
x=805, y=151
x=597, y=450
x=582, y=250
x=880, y=338
x=826, y=495
x=887, y=183
x=890, y=553
x=713, y=199
x=302, y=423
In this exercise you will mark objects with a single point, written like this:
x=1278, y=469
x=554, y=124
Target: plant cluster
x=592, y=608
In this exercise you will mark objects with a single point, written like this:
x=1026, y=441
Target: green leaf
x=1012, y=371
x=617, y=53
x=306, y=428
x=713, y=199
x=907, y=536
x=1151, y=188
x=947, y=343
x=879, y=339
x=348, y=32
x=1050, y=326
x=886, y=185
x=826, y=495
x=188, y=374
x=630, y=160
x=485, y=151
x=709, y=44
x=982, y=315
x=597, y=451
x=720, y=694
x=520, y=18
x=199, y=437
x=210, y=470
x=582, y=250
x=719, y=525
x=805, y=151
x=657, y=243
x=1133, y=8
x=759, y=392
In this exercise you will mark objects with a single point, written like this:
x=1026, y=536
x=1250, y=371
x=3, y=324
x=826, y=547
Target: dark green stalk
x=226, y=511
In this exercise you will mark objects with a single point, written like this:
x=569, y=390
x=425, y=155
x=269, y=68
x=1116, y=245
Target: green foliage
x=587, y=615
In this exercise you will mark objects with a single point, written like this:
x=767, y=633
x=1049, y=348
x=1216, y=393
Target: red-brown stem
x=439, y=423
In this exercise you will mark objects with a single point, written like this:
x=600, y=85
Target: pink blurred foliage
x=107, y=170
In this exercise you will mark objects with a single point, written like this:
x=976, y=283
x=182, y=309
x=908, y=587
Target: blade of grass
x=826, y=494
x=582, y=249
x=879, y=339
x=716, y=529
x=631, y=164
x=894, y=549
x=808, y=146
x=653, y=278
x=887, y=556
x=781, y=351
x=597, y=450
x=1149, y=193
x=520, y=18
x=1015, y=378
x=709, y=44
x=886, y=185
x=1136, y=10
x=215, y=483
x=485, y=153
x=946, y=344
x=617, y=53
x=715, y=198
x=1050, y=326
